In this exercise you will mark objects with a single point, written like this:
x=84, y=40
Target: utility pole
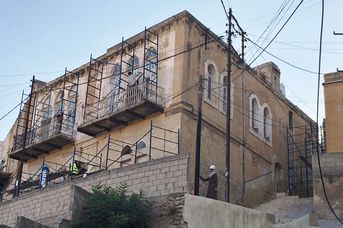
x=228, y=110
x=21, y=164
x=198, y=138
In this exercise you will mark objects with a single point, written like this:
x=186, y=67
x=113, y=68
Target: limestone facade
x=261, y=114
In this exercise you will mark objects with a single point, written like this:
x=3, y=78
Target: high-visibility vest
x=74, y=168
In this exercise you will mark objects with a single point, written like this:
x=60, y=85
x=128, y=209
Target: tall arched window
x=134, y=71
x=151, y=64
x=115, y=82
x=58, y=102
x=72, y=97
x=254, y=114
x=134, y=64
x=116, y=78
x=267, y=124
x=46, y=112
x=46, y=118
x=210, y=75
x=71, y=110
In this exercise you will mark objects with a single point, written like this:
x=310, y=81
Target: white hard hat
x=212, y=167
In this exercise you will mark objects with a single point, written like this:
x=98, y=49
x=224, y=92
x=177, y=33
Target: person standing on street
x=212, y=182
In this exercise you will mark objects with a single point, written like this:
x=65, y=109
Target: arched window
x=115, y=90
x=70, y=119
x=46, y=118
x=267, y=124
x=151, y=64
x=141, y=145
x=210, y=76
x=254, y=114
x=116, y=78
x=46, y=108
x=58, y=102
x=72, y=97
x=134, y=64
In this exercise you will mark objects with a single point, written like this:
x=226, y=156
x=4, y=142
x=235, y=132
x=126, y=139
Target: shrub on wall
x=115, y=208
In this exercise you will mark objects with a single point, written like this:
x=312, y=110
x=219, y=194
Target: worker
x=75, y=168
x=212, y=182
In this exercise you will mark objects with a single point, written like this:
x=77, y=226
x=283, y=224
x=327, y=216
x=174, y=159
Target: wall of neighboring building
x=332, y=161
x=333, y=97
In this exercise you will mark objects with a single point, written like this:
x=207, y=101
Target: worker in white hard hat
x=212, y=182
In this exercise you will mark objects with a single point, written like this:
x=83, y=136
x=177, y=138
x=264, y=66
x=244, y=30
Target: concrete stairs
x=294, y=212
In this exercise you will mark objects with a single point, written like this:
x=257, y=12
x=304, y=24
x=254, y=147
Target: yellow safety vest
x=74, y=169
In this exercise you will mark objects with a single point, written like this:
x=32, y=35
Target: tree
x=115, y=208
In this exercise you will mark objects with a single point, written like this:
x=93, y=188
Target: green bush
x=115, y=208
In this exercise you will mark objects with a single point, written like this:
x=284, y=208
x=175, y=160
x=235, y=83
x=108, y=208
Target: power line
x=50, y=87
x=10, y=111
x=270, y=42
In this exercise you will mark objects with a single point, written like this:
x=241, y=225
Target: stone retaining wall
x=50, y=205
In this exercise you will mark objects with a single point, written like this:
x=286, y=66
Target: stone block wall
x=155, y=178
x=47, y=206
x=332, y=168
x=50, y=205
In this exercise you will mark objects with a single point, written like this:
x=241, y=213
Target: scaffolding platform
x=146, y=100
x=56, y=141
x=43, y=126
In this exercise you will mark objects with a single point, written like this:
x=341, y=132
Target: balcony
x=119, y=109
x=54, y=133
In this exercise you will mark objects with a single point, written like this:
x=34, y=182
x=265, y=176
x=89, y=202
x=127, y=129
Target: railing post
x=73, y=160
x=150, y=140
x=135, y=161
x=100, y=161
x=108, y=149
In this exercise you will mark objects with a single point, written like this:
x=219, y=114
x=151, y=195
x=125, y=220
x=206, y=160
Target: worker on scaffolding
x=75, y=168
x=212, y=183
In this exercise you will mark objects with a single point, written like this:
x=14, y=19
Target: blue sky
x=43, y=37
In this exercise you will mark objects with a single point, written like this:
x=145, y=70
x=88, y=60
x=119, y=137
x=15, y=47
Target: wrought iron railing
x=58, y=124
x=116, y=102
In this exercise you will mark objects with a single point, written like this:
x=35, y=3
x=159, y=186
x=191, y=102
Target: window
x=151, y=64
x=46, y=118
x=58, y=102
x=134, y=63
x=46, y=108
x=210, y=75
x=71, y=109
x=115, y=83
x=266, y=124
x=260, y=120
x=254, y=114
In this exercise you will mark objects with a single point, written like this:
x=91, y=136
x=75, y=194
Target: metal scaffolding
x=49, y=126
x=157, y=142
x=118, y=93
x=301, y=146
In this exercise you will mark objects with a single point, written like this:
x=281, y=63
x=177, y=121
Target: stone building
x=138, y=102
x=331, y=157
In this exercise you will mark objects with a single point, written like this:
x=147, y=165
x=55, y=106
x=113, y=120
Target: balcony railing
x=53, y=133
x=118, y=108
